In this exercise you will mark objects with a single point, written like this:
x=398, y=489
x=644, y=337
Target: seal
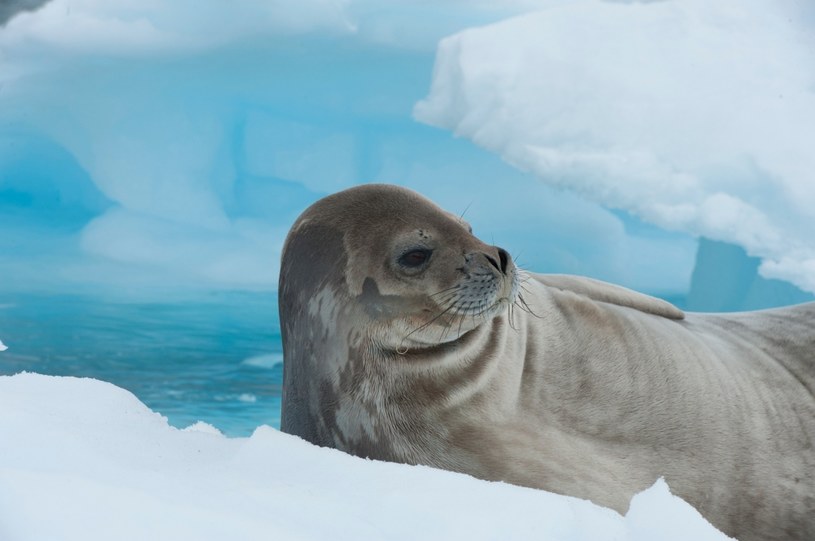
x=408, y=339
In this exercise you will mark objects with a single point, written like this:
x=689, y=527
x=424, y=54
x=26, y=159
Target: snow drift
x=85, y=460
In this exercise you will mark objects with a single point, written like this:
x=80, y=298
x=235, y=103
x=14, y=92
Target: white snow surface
x=697, y=116
x=83, y=459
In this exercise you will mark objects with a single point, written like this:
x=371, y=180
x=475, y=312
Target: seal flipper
x=610, y=293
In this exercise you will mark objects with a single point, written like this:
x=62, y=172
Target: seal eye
x=415, y=258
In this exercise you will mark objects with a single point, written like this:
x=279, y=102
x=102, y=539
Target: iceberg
x=694, y=116
x=726, y=279
x=144, y=147
x=99, y=465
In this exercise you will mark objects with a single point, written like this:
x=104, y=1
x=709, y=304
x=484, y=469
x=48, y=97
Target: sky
x=164, y=145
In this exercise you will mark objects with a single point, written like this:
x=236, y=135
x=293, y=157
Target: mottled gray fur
x=557, y=382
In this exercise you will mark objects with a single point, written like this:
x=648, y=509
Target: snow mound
x=83, y=459
x=696, y=116
x=202, y=427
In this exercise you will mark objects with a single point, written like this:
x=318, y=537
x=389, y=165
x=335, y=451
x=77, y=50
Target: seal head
x=368, y=275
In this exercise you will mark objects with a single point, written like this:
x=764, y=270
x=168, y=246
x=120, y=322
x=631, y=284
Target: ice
x=100, y=465
x=142, y=148
x=3, y=347
x=267, y=360
x=726, y=279
x=695, y=116
x=147, y=145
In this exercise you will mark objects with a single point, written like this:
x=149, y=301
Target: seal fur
x=556, y=382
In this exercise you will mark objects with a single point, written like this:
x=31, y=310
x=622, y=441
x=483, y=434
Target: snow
x=83, y=459
x=696, y=116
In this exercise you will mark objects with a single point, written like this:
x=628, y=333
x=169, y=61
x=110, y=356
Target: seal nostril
x=504, y=257
x=492, y=261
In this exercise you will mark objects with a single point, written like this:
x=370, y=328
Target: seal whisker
x=460, y=322
x=457, y=286
x=445, y=329
x=461, y=217
x=522, y=286
x=443, y=334
x=523, y=276
x=424, y=326
x=450, y=297
x=528, y=308
x=482, y=307
x=511, y=316
x=521, y=308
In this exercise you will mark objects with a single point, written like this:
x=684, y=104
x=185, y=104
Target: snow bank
x=85, y=460
x=697, y=116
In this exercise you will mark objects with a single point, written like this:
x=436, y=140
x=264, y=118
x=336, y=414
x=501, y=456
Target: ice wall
x=171, y=144
x=726, y=279
x=696, y=116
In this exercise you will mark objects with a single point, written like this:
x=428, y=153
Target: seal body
x=408, y=339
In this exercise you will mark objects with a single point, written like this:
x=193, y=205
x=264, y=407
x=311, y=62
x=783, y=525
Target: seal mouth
x=431, y=351
x=484, y=292
x=481, y=294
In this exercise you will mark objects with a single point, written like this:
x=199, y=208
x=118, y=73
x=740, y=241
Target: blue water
x=216, y=358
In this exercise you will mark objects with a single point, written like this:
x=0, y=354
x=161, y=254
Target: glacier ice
x=726, y=279
x=143, y=147
x=696, y=116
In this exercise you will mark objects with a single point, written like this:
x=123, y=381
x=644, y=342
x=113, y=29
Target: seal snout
x=502, y=262
x=490, y=281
